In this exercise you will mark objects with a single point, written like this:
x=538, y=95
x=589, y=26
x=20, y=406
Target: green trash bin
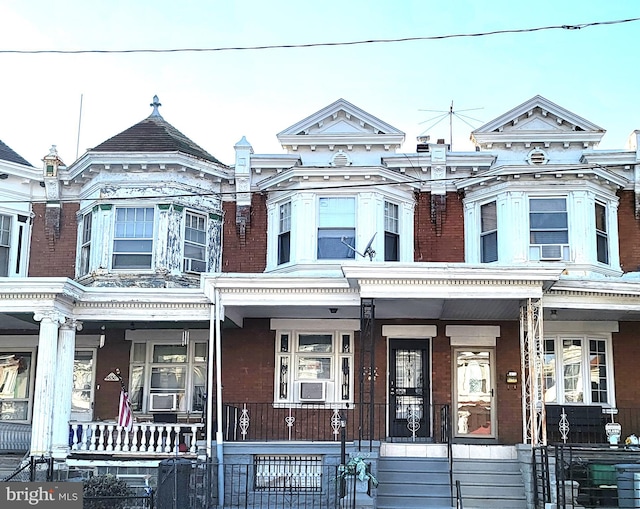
x=628, y=477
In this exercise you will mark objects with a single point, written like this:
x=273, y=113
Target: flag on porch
x=125, y=414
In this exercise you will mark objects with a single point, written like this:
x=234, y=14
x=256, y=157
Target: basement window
x=288, y=473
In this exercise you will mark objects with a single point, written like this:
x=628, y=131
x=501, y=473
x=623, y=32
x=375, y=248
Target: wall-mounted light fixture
x=333, y=311
x=554, y=314
x=102, y=336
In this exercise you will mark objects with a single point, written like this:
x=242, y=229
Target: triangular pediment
x=339, y=123
x=538, y=119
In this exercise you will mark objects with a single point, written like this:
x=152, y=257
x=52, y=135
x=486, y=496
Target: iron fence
x=32, y=469
x=589, y=476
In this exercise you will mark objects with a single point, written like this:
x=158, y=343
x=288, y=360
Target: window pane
x=598, y=371
x=284, y=248
x=169, y=353
x=331, y=243
x=14, y=375
x=169, y=378
x=390, y=217
x=391, y=250
x=489, y=248
x=199, y=384
x=139, y=352
x=315, y=342
x=552, y=237
x=572, y=370
x=200, y=352
x=136, y=387
x=488, y=217
x=314, y=368
x=547, y=204
x=337, y=212
x=549, y=371
x=285, y=217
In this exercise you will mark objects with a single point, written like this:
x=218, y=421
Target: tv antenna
x=368, y=251
x=442, y=114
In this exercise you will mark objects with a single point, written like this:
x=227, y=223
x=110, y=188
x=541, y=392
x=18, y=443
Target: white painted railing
x=144, y=438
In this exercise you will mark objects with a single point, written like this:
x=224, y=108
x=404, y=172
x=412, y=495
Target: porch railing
x=263, y=422
x=144, y=438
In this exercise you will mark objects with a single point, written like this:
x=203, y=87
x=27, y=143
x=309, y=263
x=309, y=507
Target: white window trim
x=185, y=241
x=153, y=238
x=13, y=347
x=333, y=388
x=165, y=337
x=20, y=234
x=557, y=337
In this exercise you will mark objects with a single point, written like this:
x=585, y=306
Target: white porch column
x=46, y=379
x=64, y=388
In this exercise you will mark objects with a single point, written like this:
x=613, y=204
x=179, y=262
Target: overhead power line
x=319, y=44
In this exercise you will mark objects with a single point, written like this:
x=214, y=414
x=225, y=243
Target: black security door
x=409, y=408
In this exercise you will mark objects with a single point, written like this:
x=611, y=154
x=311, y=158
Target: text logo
x=63, y=495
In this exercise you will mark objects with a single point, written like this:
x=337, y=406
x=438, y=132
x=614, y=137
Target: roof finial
x=156, y=104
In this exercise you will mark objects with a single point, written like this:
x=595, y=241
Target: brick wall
x=629, y=233
x=53, y=241
x=245, y=252
x=626, y=352
x=439, y=228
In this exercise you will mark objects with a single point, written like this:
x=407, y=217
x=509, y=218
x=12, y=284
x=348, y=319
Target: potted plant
x=357, y=467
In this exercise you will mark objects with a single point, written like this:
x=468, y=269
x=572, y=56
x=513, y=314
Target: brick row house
x=340, y=290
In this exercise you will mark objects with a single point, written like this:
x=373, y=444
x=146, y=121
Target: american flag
x=125, y=414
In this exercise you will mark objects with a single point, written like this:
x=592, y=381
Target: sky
x=77, y=101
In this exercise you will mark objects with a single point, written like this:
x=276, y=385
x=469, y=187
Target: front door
x=409, y=408
x=474, y=393
x=83, y=384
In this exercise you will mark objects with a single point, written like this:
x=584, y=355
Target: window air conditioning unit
x=163, y=402
x=551, y=252
x=312, y=391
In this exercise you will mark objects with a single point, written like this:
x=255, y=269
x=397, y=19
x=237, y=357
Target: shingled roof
x=7, y=154
x=154, y=134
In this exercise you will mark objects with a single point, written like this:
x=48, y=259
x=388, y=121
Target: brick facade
x=439, y=228
x=629, y=233
x=245, y=251
x=54, y=237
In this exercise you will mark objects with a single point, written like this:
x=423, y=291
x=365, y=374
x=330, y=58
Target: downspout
x=219, y=311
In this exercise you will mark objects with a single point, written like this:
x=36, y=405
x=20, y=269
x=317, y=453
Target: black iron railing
x=264, y=422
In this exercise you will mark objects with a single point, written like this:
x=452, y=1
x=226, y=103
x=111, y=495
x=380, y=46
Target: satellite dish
x=368, y=251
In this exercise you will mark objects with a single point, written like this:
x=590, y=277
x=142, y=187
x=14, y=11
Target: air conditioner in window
x=163, y=402
x=551, y=252
x=192, y=265
x=312, y=391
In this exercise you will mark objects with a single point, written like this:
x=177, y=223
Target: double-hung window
x=168, y=377
x=284, y=233
x=336, y=228
x=602, y=238
x=85, y=248
x=488, y=233
x=391, y=232
x=548, y=229
x=195, y=243
x=5, y=244
x=133, y=238
x=314, y=367
x=576, y=369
